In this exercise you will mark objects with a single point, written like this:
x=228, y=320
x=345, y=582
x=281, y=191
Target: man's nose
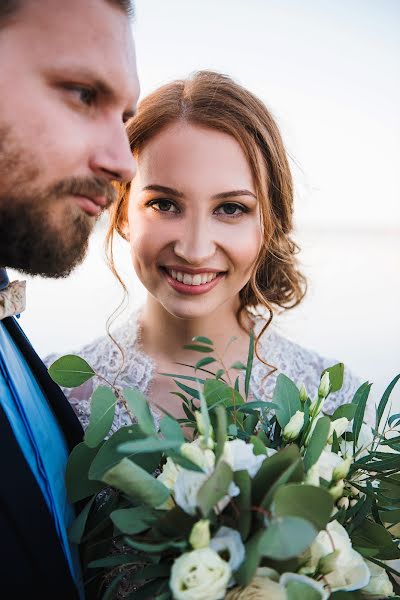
x=195, y=244
x=112, y=158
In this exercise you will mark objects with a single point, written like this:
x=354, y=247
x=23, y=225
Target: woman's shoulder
x=301, y=364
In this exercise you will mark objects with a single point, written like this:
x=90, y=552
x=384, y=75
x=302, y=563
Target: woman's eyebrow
x=234, y=193
x=163, y=190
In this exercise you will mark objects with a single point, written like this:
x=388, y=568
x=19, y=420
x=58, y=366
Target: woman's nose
x=195, y=244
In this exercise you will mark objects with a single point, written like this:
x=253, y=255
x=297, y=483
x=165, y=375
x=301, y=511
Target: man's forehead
x=92, y=36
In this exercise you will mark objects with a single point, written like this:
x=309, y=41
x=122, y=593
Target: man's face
x=68, y=82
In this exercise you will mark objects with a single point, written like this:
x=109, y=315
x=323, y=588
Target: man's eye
x=85, y=95
x=231, y=209
x=163, y=206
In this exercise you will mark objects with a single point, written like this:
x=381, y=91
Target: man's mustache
x=85, y=186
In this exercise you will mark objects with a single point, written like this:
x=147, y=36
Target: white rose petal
x=240, y=457
x=327, y=463
x=199, y=575
x=349, y=571
x=379, y=585
x=186, y=488
x=229, y=540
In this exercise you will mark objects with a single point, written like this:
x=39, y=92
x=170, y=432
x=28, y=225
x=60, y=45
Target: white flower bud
x=338, y=426
x=343, y=502
x=354, y=491
x=324, y=385
x=353, y=502
x=293, y=428
x=316, y=407
x=342, y=469
x=303, y=393
x=200, y=534
x=327, y=563
x=312, y=476
x=336, y=491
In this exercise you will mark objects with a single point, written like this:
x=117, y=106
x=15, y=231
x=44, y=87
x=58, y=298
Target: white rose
x=203, y=458
x=327, y=463
x=199, y=575
x=349, y=571
x=364, y=442
x=186, y=488
x=379, y=585
x=168, y=478
x=240, y=457
x=228, y=541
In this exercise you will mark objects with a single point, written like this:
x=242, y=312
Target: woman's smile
x=192, y=282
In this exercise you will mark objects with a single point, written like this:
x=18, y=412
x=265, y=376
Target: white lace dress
x=137, y=370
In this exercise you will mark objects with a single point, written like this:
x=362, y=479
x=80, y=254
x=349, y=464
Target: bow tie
x=12, y=299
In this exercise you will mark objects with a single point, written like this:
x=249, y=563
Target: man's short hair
x=9, y=7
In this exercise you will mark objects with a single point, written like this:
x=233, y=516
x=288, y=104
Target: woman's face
x=193, y=220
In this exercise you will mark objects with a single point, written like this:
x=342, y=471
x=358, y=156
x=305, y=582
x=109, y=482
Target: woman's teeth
x=188, y=279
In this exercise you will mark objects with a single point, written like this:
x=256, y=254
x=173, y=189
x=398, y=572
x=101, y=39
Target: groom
x=67, y=83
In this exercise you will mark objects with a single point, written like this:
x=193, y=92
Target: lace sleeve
x=131, y=368
x=301, y=366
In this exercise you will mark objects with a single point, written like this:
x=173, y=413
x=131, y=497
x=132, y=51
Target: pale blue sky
x=328, y=69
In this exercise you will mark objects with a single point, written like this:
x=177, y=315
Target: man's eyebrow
x=163, y=190
x=84, y=75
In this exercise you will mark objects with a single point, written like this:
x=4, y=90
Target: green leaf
x=70, y=371
x=249, y=365
x=79, y=486
x=175, y=520
x=77, y=529
x=221, y=431
x=109, y=454
x=287, y=397
x=215, y=488
x=371, y=535
x=112, y=561
x=238, y=365
x=218, y=392
x=139, y=407
x=149, y=445
x=336, y=376
x=249, y=566
x=135, y=482
x=384, y=400
x=202, y=340
x=156, y=548
x=271, y=469
x=133, y=520
x=299, y=590
x=287, y=537
x=359, y=416
x=219, y=373
x=101, y=416
x=171, y=429
x=345, y=410
x=189, y=390
x=199, y=348
x=314, y=504
x=294, y=472
x=204, y=361
x=258, y=445
x=243, y=502
x=317, y=442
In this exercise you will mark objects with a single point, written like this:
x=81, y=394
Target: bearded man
x=68, y=83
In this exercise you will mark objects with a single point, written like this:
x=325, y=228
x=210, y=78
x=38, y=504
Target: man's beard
x=37, y=236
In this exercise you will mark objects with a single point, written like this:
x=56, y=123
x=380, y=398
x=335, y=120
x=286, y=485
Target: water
x=351, y=312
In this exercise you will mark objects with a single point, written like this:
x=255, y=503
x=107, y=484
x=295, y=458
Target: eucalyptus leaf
x=149, y=445
x=299, y=590
x=202, y=340
x=156, y=547
x=188, y=390
x=133, y=520
x=135, y=482
x=79, y=486
x=214, y=488
x=345, y=410
x=249, y=566
x=221, y=431
x=317, y=443
x=102, y=413
x=363, y=392
x=384, y=400
x=110, y=454
x=199, y=348
x=243, y=502
x=314, y=504
x=70, y=371
x=139, y=407
x=171, y=429
x=249, y=365
x=336, y=376
x=287, y=398
x=77, y=529
x=204, y=362
x=271, y=469
x=287, y=537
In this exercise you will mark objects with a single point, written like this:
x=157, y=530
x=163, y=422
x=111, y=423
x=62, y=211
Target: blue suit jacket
x=32, y=561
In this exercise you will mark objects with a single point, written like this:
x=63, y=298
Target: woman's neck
x=164, y=335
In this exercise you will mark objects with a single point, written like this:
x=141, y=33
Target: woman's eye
x=230, y=209
x=163, y=206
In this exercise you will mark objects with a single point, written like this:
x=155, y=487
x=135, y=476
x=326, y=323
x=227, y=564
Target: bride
x=208, y=218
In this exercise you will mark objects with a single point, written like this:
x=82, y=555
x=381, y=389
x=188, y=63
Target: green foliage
x=214, y=488
x=70, y=371
x=101, y=416
x=336, y=376
x=311, y=503
x=287, y=399
x=317, y=442
x=286, y=537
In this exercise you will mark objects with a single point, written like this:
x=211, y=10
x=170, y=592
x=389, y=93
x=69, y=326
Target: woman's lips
x=191, y=290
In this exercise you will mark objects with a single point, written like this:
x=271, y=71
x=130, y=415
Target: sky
x=328, y=70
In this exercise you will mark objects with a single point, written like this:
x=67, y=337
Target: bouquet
x=241, y=499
